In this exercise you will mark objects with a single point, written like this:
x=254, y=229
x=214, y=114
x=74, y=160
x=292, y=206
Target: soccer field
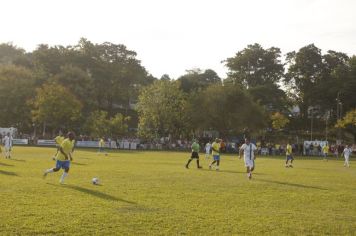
x=151, y=193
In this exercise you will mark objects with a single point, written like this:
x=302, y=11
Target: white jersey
x=248, y=151
x=347, y=152
x=207, y=148
x=8, y=141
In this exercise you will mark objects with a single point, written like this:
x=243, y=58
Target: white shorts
x=249, y=163
x=7, y=149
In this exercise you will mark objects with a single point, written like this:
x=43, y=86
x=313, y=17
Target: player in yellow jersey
x=59, y=139
x=289, y=156
x=102, y=147
x=63, y=157
x=215, y=147
x=325, y=150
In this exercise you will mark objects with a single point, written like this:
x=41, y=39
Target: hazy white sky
x=171, y=36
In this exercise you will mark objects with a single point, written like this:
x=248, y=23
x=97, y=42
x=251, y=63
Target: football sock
x=62, y=177
x=49, y=171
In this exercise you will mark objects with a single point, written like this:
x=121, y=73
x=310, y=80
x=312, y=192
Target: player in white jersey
x=7, y=145
x=347, y=153
x=207, y=150
x=249, y=150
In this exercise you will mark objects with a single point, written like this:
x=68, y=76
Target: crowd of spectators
x=227, y=146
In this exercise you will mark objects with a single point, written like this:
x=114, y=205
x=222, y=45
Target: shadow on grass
x=78, y=164
x=4, y=164
x=94, y=193
x=3, y=172
x=17, y=160
x=224, y=171
x=290, y=184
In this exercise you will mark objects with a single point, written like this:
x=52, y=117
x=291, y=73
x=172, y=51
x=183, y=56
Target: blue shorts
x=216, y=157
x=62, y=164
x=289, y=157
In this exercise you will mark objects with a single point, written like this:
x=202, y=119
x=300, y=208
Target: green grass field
x=151, y=193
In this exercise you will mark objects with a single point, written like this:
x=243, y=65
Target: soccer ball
x=95, y=181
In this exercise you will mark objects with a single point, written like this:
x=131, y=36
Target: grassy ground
x=151, y=193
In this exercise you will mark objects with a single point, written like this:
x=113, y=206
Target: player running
x=8, y=145
x=289, y=156
x=207, y=150
x=215, y=147
x=195, y=154
x=347, y=152
x=325, y=150
x=248, y=149
x=63, y=157
x=59, y=139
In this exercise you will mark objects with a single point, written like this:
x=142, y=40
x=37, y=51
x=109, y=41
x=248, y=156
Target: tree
x=196, y=80
x=118, y=125
x=9, y=53
x=165, y=77
x=228, y=110
x=79, y=83
x=116, y=72
x=56, y=107
x=254, y=66
x=304, y=73
x=99, y=124
x=279, y=121
x=270, y=96
x=334, y=80
x=162, y=110
x=17, y=85
x=348, y=122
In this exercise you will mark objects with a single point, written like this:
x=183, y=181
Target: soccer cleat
x=44, y=175
x=186, y=166
x=217, y=168
x=199, y=167
x=249, y=176
x=291, y=166
x=209, y=167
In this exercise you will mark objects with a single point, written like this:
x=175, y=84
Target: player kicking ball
x=63, y=157
x=289, y=156
x=248, y=149
x=195, y=154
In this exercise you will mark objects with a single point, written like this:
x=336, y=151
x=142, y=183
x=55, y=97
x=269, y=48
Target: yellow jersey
x=67, y=147
x=101, y=143
x=289, y=149
x=326, y=149
x=215, y=146
x=59, y=139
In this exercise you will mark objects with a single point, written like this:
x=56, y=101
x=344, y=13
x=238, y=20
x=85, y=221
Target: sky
x=172, y=36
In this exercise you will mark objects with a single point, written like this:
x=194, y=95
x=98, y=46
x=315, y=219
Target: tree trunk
x=44, y=129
